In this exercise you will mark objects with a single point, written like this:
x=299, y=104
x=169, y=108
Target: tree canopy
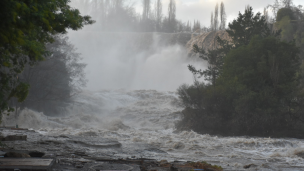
x=25, y=29
x=241, y=31
x=254, y=88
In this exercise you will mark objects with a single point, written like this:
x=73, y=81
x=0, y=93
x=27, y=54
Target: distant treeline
x=254, y=83
x=117, y=15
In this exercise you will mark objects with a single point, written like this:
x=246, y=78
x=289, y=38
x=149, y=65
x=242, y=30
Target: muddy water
x=143, y=122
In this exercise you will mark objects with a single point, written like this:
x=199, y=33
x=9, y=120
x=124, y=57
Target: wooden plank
x=26, y=162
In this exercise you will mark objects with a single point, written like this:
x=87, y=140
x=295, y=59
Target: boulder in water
x=300, y=154
x=13, y=138
x=179, y=146
x=36, y=154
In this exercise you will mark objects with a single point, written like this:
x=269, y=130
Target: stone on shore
x=13, y=138
x=16, y=155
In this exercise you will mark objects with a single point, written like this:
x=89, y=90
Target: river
x=131, y=99
x=143, y=122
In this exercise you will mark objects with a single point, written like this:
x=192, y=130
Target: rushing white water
x=147, y=117
x=143, y=120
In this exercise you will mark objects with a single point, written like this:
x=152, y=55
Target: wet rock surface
x=16, y=155
x=94, y=142
x=13, y=138
x=73, y=153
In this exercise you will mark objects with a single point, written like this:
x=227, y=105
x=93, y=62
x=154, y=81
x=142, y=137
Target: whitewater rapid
x=143, y=122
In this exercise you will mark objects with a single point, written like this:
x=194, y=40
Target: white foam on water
x=148, y=117
x=137, y=117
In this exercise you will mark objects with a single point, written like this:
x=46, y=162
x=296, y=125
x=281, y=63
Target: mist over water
x=141, y=120
x=133, y=60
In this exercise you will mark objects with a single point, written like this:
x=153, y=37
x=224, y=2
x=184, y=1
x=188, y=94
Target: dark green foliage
x=291, y=23
x=283, y=12
x=55, y=80
x=241, y=32
x=256, y=88
x=263, y=78
x=246, y=26
x=25, y=28
x=215, y=61
x=20, y=92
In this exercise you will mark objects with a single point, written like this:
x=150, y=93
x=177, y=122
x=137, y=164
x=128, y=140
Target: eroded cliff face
x=206, y=40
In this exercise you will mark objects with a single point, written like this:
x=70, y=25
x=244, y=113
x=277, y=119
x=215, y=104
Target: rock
x=64, y=136
x=173, y=168
x=96, y=142
x=26, y=164
x=2, y=153
x=16, y=155
x=88, y=134
x=179, y=146
x=155, y=150
x=164, y=163
x=50, y=141
x=36, y=154
x=49, y=155
x=300, y=154
x=78, y=165
x=80, y=153
x=13, y=138
x=248, y=166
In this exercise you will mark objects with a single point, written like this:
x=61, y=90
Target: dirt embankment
x=206, y=40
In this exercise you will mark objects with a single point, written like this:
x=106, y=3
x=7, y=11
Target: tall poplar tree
x=158, y=14
x=172, y=16
x=216, y=22
x=146, y=9
x=222, y=16
x=211, y=22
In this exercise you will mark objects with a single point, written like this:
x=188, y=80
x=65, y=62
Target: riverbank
x=72, y=153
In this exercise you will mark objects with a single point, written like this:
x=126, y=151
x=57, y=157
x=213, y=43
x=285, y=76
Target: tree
x=263, y=78
x=196, y=26
x=55, y=80
x=241, y=32
x=280, y=4
x=289, y=20
x=172, y=16
x=158, y=14
x=216, y=22
x=212, y=22
x=254, y=86
x=285, y=12
x=222, y=17
x=246, y=26
x=26, y=27
x=146, y=9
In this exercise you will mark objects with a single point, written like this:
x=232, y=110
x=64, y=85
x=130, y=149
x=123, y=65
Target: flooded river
x=142, y=121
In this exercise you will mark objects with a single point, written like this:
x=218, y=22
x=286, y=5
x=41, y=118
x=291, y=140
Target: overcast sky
x=201, y=9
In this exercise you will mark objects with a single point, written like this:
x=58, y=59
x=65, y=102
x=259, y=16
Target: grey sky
x=201, y=9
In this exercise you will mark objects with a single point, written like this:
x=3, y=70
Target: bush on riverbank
x=254, y=85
